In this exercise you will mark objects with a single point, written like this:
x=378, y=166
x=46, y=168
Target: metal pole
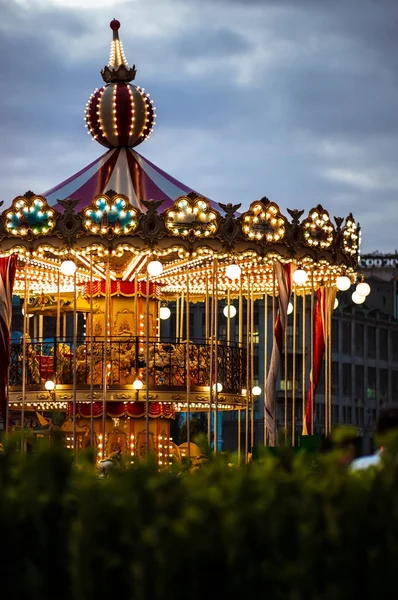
x=91, y=355
x=74, y=364
x=247, y=376
x=294, y=366
x=188, y=381
x=228, y=317
x=265, y=362
x=209, y=424
x=24, y=357
x=147, y=367
x=216, y=356
x=252, y=366
x=104, y=364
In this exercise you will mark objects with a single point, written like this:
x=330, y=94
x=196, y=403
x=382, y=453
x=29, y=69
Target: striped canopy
x=124, y=171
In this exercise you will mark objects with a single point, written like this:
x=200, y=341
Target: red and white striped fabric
x=283, y=275
x=124, y=171
x=8, y=267
x=323, y=309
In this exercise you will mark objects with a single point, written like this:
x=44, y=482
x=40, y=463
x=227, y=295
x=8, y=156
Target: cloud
x=293, y=99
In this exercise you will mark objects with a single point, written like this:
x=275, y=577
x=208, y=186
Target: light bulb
x=154, y=268
x=229, y=311
x=233, y=271
x=363, y=289
x=164, y=313
x=29, y=315
x=137, y=384
x=49, y=385
x=357, y=298
x=68, y=267
x=300, y=277
x=256, y=391
x=343, y=283
x=217, y=387
x=289, y=308
x=336, y=303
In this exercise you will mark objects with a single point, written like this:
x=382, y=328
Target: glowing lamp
x=256, y=391
x=49, y=385
x=343, y=283
x=229, y=311
x=217, y=387
x=137, y=384
x=155, y=268
x=29, y=315
x=357, y=298
x=300, y=277
x=233, y=271
x=289, y=308
x=363, y=289
x=164, y=313
x=336, y=303
x=68, y=268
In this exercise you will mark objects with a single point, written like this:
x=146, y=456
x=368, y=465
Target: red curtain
x=125, y=409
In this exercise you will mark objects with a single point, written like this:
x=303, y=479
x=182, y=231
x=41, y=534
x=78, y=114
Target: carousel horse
x=107, y=465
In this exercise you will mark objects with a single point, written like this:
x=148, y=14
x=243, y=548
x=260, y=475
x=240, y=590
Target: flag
x=283, y=274
x=324, y=301
x=8, y=266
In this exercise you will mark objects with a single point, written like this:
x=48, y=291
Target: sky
x=296, y=100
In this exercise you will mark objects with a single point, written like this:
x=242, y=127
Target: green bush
x=284, y=527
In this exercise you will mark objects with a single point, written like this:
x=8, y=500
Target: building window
x=394, y=345
x=383, y=386
x=335, y=335
x=347, y=380
x=383, y=344
x=359, y=339
x=371, y=389
x=335, y=378
x=346, y=337
x=359, y=382
x=372, y=342
x=394, y=384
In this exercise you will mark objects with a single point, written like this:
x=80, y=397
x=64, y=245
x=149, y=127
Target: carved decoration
x=191, y=219
x=318, y=229
x=29, y=217
x=110, y=216
x=229, y=228
x=69, y=224
x=264, y=222
x=350, y=233
x=151, y=223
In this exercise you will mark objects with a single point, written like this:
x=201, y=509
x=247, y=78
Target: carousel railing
x=126, y=361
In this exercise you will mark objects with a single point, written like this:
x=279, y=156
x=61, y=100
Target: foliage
x=285, y=526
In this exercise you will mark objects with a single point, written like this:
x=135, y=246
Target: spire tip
x=114, y=24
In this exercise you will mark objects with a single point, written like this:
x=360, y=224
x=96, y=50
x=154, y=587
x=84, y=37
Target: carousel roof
x=122, y=170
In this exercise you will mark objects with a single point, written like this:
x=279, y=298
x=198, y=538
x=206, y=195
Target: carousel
x=103, y=260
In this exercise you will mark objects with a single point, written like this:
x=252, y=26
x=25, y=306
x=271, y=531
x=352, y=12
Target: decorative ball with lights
x=119, y=114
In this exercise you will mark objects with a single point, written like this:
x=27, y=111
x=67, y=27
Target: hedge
x=284, y=527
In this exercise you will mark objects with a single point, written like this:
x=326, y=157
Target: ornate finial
x=117, y=68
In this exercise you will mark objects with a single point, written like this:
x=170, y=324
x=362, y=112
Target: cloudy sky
x=296, y=100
